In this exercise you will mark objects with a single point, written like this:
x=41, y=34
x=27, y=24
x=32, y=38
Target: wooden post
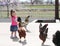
x=56, y=9
x=7, y=8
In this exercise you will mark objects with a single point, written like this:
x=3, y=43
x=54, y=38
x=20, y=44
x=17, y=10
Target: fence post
x=7, y=8
x=56, y=9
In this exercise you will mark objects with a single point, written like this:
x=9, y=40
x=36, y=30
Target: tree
x=51, y=2
x=48, y=1
x=8, y=1
x=32, y=1
x=38, y=1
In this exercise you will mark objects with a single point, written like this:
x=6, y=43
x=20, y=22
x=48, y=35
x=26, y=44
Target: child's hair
x=12, y=11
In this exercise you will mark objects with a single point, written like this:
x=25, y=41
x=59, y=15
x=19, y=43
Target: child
x=13, y=27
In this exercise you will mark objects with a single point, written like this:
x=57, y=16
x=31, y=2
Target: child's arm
x=16, y=19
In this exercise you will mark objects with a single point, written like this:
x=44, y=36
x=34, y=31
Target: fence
x=34, y=11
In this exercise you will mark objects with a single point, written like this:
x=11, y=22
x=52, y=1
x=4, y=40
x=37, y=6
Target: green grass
x=3, y=14
x=40, y=6
x=37, y=14
x=33, y=13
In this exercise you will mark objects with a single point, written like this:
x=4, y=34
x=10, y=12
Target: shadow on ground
x=23, y=42
x=45, y=45
x=15, y=39
x=28, y=31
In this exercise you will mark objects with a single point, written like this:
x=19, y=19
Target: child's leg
x=12, y=35
x=15, y=34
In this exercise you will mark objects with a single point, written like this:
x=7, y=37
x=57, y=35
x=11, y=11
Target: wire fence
x=39, y=11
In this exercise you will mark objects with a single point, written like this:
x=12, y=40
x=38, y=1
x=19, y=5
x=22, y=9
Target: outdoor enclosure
x=41, y=11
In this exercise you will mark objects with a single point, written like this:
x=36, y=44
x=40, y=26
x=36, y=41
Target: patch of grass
x=41, y=6
x=3, y=14
x=37, y=14
x=41, y=14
